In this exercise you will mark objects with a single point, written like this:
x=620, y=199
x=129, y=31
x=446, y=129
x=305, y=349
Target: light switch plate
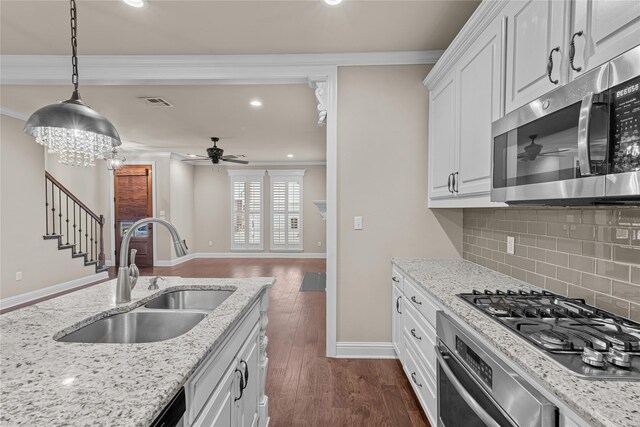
x=18, y=275
x=357, y=223
x=510, y=245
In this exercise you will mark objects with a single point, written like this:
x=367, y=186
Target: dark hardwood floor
x=304, y=387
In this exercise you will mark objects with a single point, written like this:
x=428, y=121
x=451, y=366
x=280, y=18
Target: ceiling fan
x=216, y=155
x=533, y=150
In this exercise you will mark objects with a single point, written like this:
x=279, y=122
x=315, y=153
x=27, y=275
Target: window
x=286, y=210
x=246, y=209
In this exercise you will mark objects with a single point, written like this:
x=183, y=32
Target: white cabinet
x=442, y=138
x=396, y=314
x=535, y=28
x=605, y=30
x=227, y=390
x=462, y=108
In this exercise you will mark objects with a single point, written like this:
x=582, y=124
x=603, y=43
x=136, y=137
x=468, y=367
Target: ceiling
x=285, y=124
x=231, y=27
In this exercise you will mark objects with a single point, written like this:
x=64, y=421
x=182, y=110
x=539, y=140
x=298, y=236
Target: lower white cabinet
x=228, y=389
x=414, y=340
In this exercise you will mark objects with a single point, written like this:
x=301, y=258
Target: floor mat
x=314, y=282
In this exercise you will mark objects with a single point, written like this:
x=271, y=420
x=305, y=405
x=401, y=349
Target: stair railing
x=77, y=226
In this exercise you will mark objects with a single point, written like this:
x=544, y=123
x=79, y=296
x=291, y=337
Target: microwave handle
x=464, y=394
x=584, y=157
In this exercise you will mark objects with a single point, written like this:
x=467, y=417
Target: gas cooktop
x=591, y=342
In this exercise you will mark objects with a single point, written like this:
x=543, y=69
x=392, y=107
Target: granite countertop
x=600, y=402
x=44, y=382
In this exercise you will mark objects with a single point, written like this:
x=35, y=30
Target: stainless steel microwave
x=577, y=145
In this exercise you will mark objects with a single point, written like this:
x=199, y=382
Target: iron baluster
x=60, y=210
x=53, y=209
x=86, y=232
x=46, y=205
x=67, y=220
x=75, y=247
x=79, y=230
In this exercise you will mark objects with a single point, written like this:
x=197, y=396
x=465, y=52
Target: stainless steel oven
x=476, y=389
x=579, y=144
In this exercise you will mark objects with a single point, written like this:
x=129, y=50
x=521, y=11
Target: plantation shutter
x=246, y=210
x=286, y=210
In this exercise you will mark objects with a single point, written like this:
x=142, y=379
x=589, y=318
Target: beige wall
x=181, y=196
x=213, y=208
x=382, y=176
x=22, y=166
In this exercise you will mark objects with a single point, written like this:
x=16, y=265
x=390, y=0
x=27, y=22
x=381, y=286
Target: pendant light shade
x=71, y=129
x=115, y=161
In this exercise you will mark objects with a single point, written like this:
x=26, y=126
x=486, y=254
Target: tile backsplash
x=590, y=253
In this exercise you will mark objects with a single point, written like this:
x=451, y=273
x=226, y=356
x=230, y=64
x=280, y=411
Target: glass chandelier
x=72, y=129
x=115, y=161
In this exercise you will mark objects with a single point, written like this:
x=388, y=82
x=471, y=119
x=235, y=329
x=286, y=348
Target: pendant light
x=115, y=161
x=72, y=129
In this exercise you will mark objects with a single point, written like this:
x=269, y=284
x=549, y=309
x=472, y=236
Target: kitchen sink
x=136, y=327
x=189, y=300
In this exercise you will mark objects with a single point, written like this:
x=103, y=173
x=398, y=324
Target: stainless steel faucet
x=128, y=275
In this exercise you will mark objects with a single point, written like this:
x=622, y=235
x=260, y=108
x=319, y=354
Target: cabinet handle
x=395, y=279
x=550, y=64
x=242, y=385
x=246, y=372
x=456, y=183
x=449, y=183
x=398, y=304
x=415, y=381
x=572, y=51
x=413, y=332
x=413, y=298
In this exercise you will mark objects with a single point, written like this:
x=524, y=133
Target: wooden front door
x=134, y=201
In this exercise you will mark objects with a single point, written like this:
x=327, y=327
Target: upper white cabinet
x=602, y=30
x=535, y=45
x=508, y=54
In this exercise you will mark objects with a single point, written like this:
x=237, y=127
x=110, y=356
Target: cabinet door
x=396, y=319
x=442, y=138
x=220, y=409
x=248, y=405
x=609, y=28
x=479, y=104
x=534, y=28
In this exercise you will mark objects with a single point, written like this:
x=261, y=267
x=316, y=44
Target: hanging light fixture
x=72, y=129
x=115, y=161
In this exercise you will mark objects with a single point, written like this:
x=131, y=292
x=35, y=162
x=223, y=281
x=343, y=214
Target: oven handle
x=466, y=396
x=584, y=122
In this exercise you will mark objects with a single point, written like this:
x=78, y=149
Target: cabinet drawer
x=420, y=302
x=201, y=384
x=397, y=279
x=422, y=382
x=423, y=336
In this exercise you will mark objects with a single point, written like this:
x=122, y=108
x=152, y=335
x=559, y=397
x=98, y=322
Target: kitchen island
x=48, y=382
x=599, y=402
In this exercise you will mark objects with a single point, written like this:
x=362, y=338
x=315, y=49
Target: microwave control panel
x=475, y=362
x=625, y=126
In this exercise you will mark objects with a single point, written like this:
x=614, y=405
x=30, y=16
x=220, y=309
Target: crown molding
x=261, y=164
x=174, y=69
x=246, y=172
x=285, y=172
x=14, y=114
x=484, y=15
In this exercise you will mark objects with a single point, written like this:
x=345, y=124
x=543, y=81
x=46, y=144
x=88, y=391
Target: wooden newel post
x=101, y=256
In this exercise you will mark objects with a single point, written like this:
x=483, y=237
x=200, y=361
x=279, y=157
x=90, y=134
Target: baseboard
x=30, y=297
x=260, y=255
x=365, y=350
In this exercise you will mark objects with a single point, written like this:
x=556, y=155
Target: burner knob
x=592, y=357
x=618, y=358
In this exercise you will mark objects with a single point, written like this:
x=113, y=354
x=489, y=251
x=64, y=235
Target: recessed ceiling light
x=333, y=2
x=255, y=103
x=138, y=3
x=290, y=156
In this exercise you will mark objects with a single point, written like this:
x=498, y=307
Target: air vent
x=156, y=102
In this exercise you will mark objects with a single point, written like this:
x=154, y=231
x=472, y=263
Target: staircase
x=73, y=224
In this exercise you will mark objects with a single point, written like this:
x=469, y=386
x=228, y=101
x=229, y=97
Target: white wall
x=22, y=215
x=382, y=176
x=213, y=208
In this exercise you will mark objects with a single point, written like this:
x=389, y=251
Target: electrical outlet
x=357, y=223
x=319, y=243
x=210, y=243
x=18, y=275
x=511, y=243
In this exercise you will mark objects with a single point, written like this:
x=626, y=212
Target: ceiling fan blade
x=229, y=156
x=196, y=160
x=563, y=150
x=242, y=162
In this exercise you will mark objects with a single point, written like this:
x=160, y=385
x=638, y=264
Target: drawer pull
x=246, y=373
x=413, y=332
x=413, y=298
x=415, y=381
x=395, y=279
x=398, y=304
x=242, y=385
